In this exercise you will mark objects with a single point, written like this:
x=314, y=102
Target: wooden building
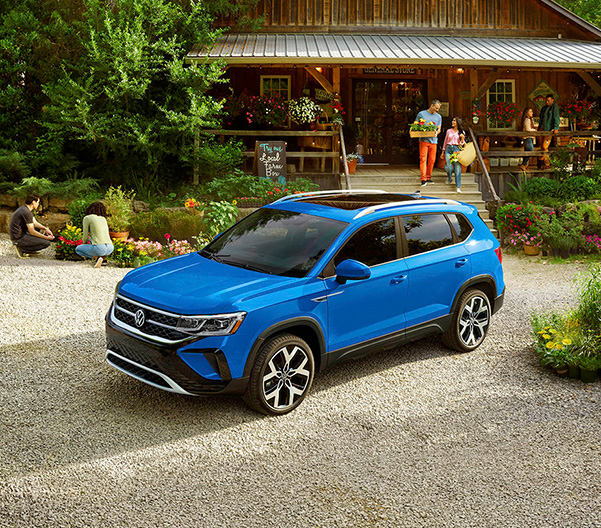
x=388, y=58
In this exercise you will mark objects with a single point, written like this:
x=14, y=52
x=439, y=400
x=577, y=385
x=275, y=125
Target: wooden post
x=343, y=148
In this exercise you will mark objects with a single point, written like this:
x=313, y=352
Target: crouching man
x=24, y=227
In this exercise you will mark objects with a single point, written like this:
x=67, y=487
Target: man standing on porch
x=427, y=146
x=548, y=121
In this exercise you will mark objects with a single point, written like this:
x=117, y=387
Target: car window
x=426, y=232
x=372, y=244
x=276, y=242
x=461, y=226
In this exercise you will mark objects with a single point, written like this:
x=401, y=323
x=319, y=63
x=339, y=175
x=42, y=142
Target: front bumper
x=159, y=364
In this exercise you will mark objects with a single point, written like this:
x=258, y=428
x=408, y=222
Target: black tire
x=470, y=322
x=281, y=376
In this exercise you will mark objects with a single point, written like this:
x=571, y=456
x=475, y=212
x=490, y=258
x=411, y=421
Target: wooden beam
x=320, y=79
x=490, y=80
x=336, y=79
x=590, y=81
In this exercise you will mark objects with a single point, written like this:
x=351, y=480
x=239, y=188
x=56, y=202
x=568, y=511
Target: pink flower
x=167, y=236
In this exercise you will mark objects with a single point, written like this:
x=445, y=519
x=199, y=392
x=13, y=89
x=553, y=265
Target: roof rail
x=374, y=208
x=325, y=193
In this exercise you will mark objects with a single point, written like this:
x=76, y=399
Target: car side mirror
x=350, y=269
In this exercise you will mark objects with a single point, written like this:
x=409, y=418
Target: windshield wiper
x=213, y=256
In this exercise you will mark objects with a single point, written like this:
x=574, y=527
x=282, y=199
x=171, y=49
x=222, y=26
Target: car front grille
x=157, y=325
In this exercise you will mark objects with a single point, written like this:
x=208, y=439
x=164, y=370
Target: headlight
x=211, y=325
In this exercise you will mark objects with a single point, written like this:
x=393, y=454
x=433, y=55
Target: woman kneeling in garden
x=95, y=224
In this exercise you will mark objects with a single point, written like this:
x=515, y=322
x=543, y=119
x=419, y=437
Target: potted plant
x=118, y=205
x=422, y=128
x=68, y=239
x=588, y=368
x=502, y=113
x=267, y=109
x=304, y=110
x=351, y=162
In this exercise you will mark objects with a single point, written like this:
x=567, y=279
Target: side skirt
x=401, y=337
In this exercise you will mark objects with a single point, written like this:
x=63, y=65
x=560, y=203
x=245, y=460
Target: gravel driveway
x=418, y=436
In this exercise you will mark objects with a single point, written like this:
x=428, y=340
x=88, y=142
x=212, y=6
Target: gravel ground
x=414, y=437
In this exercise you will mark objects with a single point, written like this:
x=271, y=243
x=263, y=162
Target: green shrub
x=33, y=185
x=13, y=166
x=589, y=307
x=153, y=225
x=219, y=216
x=235, y=185
x=74, y=187
x=218, y=159
x=77, y=208
x=538, y=189
x=578, y=188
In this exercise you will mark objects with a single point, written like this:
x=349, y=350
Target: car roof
x=352, y=205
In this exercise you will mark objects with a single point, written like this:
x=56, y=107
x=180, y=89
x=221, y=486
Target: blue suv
x=302, y=284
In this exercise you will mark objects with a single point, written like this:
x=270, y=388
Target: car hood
x=192, y=284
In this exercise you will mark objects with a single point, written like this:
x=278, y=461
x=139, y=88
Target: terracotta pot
x=352, y=165
x=119, y=235
x=531, y=250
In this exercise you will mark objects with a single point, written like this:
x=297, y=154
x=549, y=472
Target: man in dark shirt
x=548, y=121
x=24, y=227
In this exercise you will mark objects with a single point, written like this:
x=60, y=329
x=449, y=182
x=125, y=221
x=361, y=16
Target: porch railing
x=567, y=136
x=324, y=145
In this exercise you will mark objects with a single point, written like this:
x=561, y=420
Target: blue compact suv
x=302, y=284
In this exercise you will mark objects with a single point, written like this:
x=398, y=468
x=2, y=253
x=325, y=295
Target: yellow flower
x=234, y=202
x=567, y=341
x=546, y=336
x=550, y=345
x=541, y=332
x=552, y=331
x=558, y=346
x=547, y=328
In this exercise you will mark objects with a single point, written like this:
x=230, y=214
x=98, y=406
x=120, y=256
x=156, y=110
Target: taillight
x=499, y=254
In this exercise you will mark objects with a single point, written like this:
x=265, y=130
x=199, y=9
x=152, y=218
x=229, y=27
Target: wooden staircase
x=405, y=179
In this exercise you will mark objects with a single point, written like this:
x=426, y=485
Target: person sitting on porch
x=453, y=140
x=527, y=126
x=548, y=121
x=427, y=145
x=24, y=227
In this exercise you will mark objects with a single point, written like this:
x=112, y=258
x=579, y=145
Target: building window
x=272, y=84
x=503, y=90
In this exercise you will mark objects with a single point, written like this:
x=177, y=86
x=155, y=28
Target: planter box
x=420, y=134
x=494, y=162
x=504, y=162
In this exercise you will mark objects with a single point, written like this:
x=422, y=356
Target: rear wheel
x=281, y=376
x=470, y=322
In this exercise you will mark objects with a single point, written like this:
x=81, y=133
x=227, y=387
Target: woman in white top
x=527, y=126
x=454, y=139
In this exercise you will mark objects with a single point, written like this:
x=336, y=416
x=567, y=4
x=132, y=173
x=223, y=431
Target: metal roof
x=365, y=49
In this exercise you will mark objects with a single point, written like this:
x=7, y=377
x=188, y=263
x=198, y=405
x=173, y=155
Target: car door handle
x=399, y=279
x=461, y=262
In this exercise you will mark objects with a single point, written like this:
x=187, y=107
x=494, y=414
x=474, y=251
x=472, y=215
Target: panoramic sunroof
x=356, y=201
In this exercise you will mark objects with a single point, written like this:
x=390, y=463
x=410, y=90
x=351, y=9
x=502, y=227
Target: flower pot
x=422, y=133
x=562, y=371
x=352, y=165
x=323, y=126
x=531, y=250
x=573, y=371
x=588, y=376
x=119, y=235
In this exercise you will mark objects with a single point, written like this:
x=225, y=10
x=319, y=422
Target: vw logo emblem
x=140, y=318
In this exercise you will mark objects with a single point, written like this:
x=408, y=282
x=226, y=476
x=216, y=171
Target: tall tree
x=589, y=10
x=129, y=95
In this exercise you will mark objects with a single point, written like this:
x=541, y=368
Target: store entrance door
x=382, y=112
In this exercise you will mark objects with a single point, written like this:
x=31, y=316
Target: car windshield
x=275, y=242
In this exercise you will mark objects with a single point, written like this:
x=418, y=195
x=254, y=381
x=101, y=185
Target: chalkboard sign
x=271, y=160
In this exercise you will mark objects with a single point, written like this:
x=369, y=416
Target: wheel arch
x=306, y=328
x=485, y=283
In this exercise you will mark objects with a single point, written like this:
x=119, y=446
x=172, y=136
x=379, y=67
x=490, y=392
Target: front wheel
x=470, y=322
x=281, y=376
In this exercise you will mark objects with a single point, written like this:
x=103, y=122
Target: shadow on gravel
x=63, y=404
